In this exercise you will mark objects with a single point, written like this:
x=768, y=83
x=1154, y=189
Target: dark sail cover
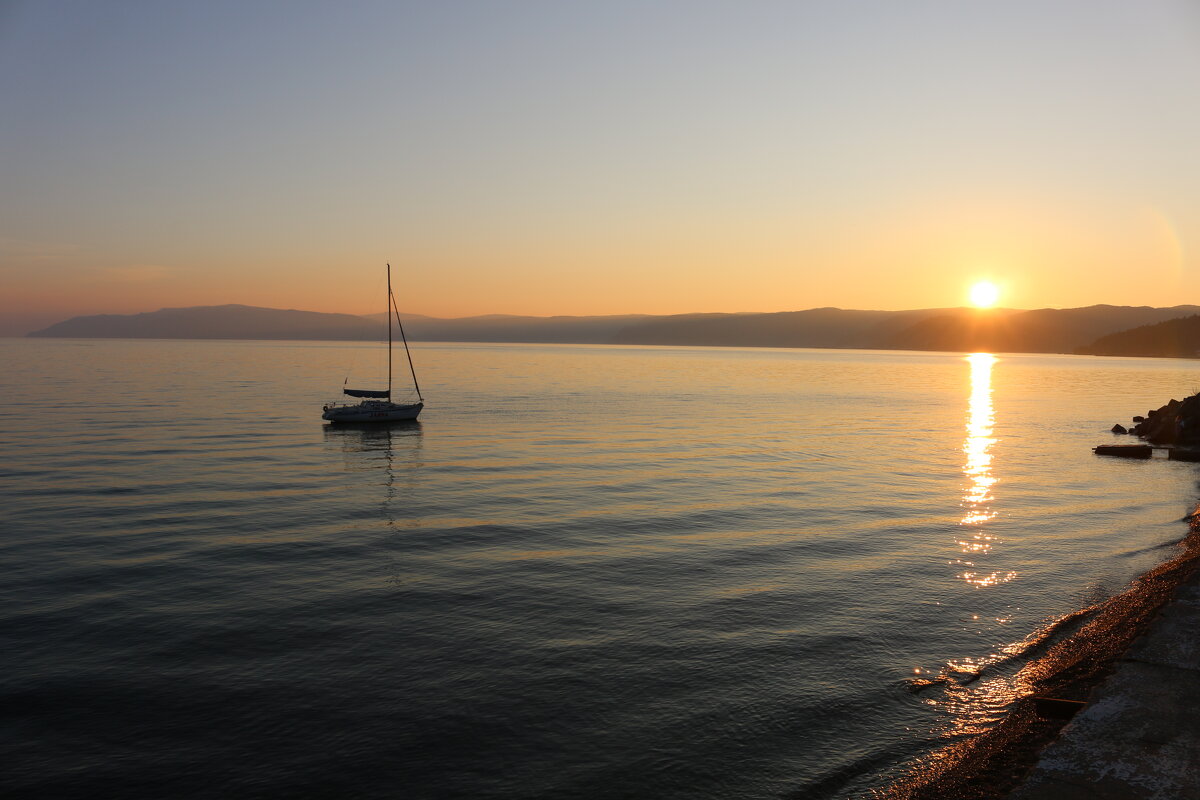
x=366, y=393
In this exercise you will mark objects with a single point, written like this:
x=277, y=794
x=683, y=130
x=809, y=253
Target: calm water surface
x=588, y=572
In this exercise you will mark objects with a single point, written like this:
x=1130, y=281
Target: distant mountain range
x=1102, y=329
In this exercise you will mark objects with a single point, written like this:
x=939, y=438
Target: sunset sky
x=549, y=157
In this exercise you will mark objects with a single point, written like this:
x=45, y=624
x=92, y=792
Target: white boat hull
x=372, y=411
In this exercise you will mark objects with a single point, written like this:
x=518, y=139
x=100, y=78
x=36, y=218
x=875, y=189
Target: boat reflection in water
x=374, y=437
x=391, y=450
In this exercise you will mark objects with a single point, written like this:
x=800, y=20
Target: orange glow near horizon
x=667, y=264
x=687, y=261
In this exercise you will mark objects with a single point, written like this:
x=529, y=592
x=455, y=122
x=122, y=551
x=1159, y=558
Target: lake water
x=588, y=572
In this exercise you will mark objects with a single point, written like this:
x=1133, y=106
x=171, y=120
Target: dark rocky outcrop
x=1176, y=423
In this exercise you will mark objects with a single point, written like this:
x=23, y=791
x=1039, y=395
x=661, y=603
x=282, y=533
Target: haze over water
x=590, y=572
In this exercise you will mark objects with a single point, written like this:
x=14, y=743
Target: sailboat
x=377, y=405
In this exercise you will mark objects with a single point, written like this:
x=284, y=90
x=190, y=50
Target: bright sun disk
x=984, y=294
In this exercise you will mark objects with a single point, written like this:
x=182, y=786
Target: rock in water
x=1119, y=429
x=1124, y=450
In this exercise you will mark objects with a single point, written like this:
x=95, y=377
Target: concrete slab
x=1139, y=703
x=1188, y=593
x=1173, y=640
x=1112, y=769
x=1138, y=738
x=1049, y=788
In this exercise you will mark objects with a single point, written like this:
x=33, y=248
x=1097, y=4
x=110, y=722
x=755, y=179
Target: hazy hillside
x=218, y=322
x=502, y=328
x=1045, y=330
x=817, y=327
x=1175, y=338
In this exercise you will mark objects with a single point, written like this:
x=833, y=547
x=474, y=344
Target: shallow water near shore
x=587, y=571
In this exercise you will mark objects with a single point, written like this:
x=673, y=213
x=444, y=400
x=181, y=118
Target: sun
x=984, y=294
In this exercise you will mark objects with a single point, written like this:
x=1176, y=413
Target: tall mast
x=400, y=325
x=389, y=320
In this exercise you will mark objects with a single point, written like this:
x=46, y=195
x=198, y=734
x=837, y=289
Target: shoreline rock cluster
x=1176, y=423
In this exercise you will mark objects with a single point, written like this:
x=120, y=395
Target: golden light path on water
x=974, y=701
x=977, y=496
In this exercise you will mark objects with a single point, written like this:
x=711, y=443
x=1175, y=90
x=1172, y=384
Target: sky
x=546, y=157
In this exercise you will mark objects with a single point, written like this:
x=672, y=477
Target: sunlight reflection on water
x=977, y=496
